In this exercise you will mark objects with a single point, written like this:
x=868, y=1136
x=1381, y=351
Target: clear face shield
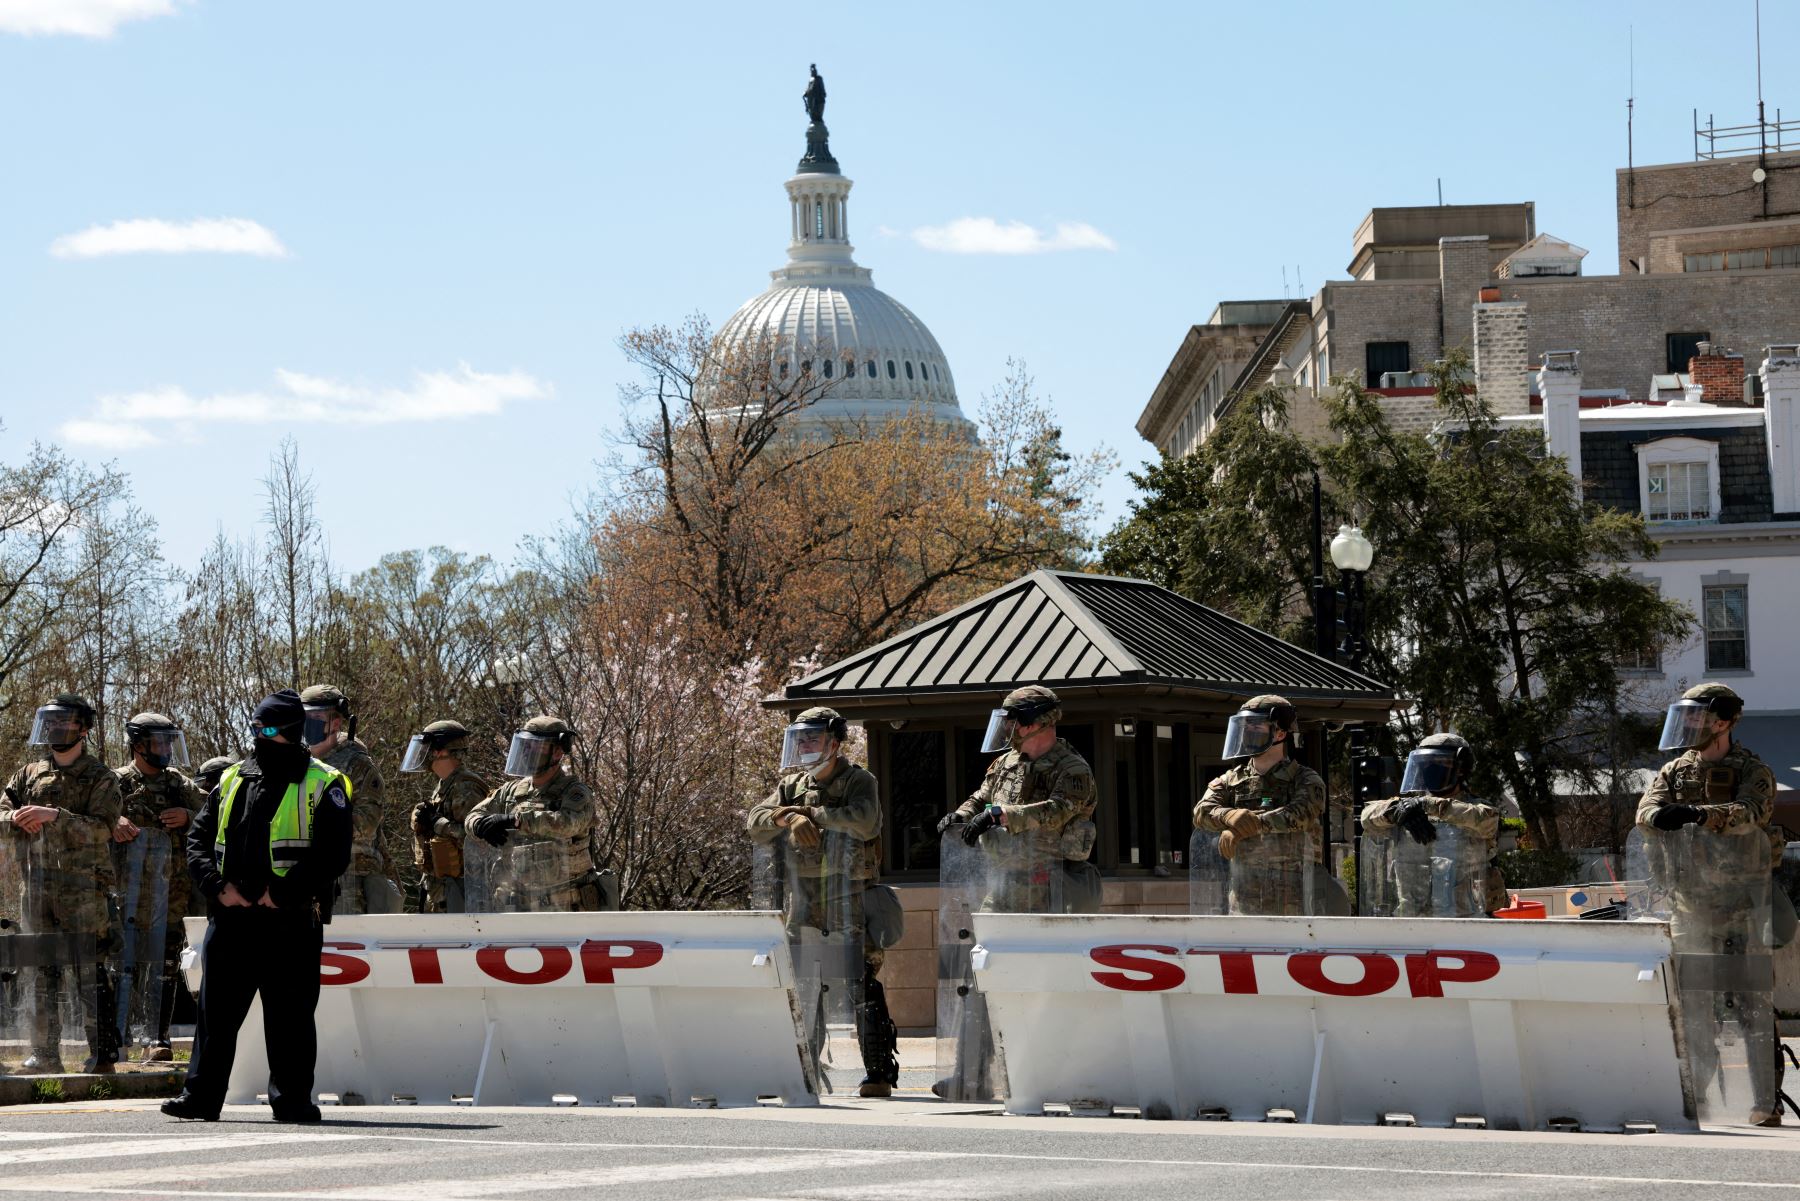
x=1429, y=770
x=318, y=726
x=1248, y=735
x=57, y=728
x=804, y=746
x=418, y=754
x=999, y=734
x=528, y=755
x=1689, y=724
x=162, y=748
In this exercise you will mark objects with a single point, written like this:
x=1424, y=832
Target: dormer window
x=1678, y=479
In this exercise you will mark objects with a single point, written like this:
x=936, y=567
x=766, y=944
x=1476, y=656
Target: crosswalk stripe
x=175, y=1174
x=171, y=1145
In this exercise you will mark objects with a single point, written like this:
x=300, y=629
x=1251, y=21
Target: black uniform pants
x=251, y=952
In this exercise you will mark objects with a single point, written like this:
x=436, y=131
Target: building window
x=909, y=369
x=1727, y=614
x=1645, y=659
x=891, y=372
x=1681, y=348
x=818, y=220
x=1784, y=256
x=871, y=368
x=1678, y=479
x=1383, y=357
x=827, y=368
x=1703, y=262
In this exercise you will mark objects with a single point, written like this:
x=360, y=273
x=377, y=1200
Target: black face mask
x=281, y=758
x=63, y=748
x=157, y=759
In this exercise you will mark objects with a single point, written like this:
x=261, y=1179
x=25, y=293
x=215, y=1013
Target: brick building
x=1710, y=254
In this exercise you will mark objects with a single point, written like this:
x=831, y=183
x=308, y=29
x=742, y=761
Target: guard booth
x=1147, y=679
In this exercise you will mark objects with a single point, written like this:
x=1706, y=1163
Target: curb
x=79, y=1086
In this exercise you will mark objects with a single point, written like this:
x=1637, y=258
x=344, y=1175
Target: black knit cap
x=282, y=710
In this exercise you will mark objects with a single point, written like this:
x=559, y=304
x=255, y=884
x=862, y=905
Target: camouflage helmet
x=1279, y=708
x=210, y=771
x=75, y=701
x=821, y=715
x=326, y=696
x=447, y=735
x=546, y=726
x=1032, y=704
x=1465, y=754
x=144, y=723
x=1721, y=700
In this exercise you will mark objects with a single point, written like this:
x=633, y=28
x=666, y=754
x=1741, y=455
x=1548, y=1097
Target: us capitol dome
x=824, y=308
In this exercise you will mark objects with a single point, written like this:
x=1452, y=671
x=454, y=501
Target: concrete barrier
x=652, y=1009
x=1508, y=1025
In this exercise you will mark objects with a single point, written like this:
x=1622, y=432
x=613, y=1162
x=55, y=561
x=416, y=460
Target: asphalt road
x=853, y=1151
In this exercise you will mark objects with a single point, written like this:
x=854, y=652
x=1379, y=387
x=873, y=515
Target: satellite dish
x=1758, y=175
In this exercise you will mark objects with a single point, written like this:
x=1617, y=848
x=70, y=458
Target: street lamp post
x=1352, y=554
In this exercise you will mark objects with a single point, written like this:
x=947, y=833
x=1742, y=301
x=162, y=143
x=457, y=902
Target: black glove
x=424, y=819
x=950, y=819
x=1673, y=817
x=1412, y=818
x=984, y=821
x=493, y=828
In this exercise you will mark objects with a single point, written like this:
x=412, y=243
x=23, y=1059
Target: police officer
x=1434, y=791
x=541, y=820
x=1718, y=786
x=61, y=810
x=1040, y=794
x=437, y=823
x=265, y=851
x=159, y=802
x=1269, y=794
x=331, y=737
x=825, y=793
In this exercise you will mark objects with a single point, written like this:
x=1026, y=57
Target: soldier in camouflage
x=1721, y=787
x=331, y=737
x=825, y=792
x=1268, y=796
x=1434, y=791
x=437, y=823
x=62, y=809
x=158, y=803
x=1034, y=809
x=542, y=820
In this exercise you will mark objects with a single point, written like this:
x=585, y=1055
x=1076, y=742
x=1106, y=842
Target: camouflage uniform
x=144, y=798
x=439, y=858
x=1736, y=799
x=1287, y=804
x=1046, y=805
x=547, y=852
x=1475, y=817
x=72, y=895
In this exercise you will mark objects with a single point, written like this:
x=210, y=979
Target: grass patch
x=45, y=1091
x=102, y=1090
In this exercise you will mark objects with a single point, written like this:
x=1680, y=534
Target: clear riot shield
x=1714, y=891
x=142, y=870
x=1275, y=875
x=966, y=1067
x=484, y=890
x=823, y=913
x=1209, y=876
x=1403, y=877
x=53, y=970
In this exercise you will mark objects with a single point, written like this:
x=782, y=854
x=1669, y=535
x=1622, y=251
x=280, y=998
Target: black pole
x=1324, y=615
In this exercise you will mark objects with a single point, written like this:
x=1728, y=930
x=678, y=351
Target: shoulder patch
x=337, y=796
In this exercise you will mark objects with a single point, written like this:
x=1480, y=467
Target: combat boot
x=96, y=1066
x=871, y=1087
x=46, y=1063
x=160, y=1053
x=306, y=1114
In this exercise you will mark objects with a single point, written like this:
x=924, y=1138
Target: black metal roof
x=1068, y=629
x=1609, y=468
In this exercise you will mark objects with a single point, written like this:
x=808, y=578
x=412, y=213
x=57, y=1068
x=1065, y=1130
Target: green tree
x=1498, y=603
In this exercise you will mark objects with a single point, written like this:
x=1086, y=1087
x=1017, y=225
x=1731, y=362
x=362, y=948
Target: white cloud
x=984, y=235
x=208, y=235
x=134, y=419
x=80, y=18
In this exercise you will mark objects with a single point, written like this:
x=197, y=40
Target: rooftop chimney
x=1719, y=374
x=1781, y=418
x=1501, y=364
x=1559, y=386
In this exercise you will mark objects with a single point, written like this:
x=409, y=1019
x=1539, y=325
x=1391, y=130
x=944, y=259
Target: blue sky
x=444, y=214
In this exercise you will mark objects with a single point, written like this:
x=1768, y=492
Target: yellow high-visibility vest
x=290, y=830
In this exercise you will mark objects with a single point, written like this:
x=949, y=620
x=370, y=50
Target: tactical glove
x=984, y=821
x=1411, y=817
x=1673, y=817
x=424, y=819
x=950, y=819
x=494, y=827
x=1227, y=844
x=1242, y=822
